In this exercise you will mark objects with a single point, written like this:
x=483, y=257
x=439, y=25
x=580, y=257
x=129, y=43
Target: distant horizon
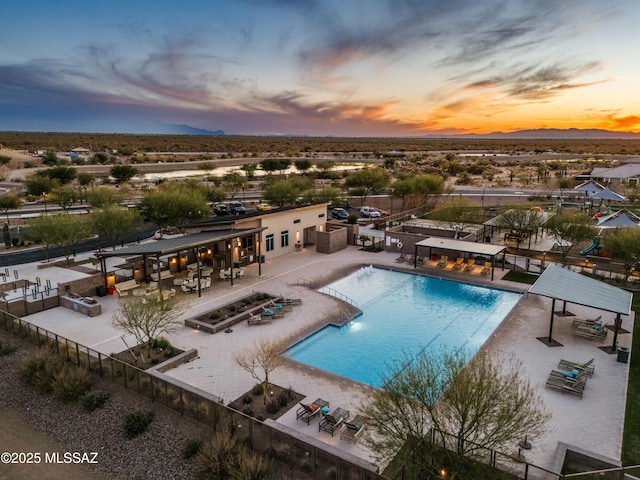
x=531, y=134
x=362, y=68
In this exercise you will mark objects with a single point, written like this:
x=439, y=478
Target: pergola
x=194, y=242
x=482, y=249
x=563, y=284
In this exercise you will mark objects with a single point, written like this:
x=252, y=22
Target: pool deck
x=593, y=423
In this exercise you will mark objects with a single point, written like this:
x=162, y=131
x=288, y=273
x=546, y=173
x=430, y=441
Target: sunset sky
x=320, y=67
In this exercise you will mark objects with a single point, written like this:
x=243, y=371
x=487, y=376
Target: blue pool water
x=402, y=313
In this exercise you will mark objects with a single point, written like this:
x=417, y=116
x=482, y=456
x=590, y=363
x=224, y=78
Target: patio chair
x=459, y=263
x=588, y=322
x=568, y=365
x=333, y=421
x=597, y=332
x=443, y=261
x=401, y=258
x=353, y=430
x=280, y=307
x=486, y=268
x=308, y=411
x=291, y=301
x=258, y=319
x=562, y=384
x=469, y=266
x=272, y=313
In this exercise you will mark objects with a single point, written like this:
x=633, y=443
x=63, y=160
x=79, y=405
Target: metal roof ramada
x=461, y=246
x=169, y=245
x=566, y=285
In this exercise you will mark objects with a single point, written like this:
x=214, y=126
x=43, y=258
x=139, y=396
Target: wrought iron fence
x=195, y=404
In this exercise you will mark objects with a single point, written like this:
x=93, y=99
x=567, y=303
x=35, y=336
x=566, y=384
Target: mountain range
x=549, y=133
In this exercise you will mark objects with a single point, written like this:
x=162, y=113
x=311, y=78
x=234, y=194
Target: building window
x=269, y=242
x=284, y=238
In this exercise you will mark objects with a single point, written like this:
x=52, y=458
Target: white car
x=369, y=212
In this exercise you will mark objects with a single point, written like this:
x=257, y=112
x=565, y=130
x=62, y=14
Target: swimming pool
x=402, y=313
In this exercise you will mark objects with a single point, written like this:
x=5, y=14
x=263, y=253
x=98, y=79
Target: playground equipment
x=594, y=246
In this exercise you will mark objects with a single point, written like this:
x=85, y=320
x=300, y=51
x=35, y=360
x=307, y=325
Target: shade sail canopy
x=589, y=187
x=620, y=219
x=607, y=194
x=171, y=245
x=486, y=249
x=564, y=284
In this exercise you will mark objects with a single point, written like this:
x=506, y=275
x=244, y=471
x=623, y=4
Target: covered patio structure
x=217, y=248
x=563, y=284
x=480, y=249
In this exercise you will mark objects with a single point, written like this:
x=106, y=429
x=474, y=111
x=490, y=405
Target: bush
x=69, y=384
x=40, y=369
x=246, y=399
x=214, y=315
x=257, y=389
x=162, y=343
x=6, y=349
x=94, y=399
x=283, y=399
x=272, y=405
x=137, y=422
x=192, y=448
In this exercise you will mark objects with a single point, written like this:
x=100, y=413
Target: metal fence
x=195, y=404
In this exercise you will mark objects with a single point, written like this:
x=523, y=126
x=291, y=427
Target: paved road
x=10, y=258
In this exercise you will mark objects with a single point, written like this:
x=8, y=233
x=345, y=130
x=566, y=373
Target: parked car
x=339, y=213
x=236, y=207
x=220, y=209
x=369, y=212
x=263, y=207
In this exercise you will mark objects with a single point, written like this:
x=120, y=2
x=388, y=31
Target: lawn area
x=631, y=436
x=521, y=277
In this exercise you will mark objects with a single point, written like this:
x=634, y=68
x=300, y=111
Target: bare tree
x=262, y=359
x=146, y=320
x=485, y=404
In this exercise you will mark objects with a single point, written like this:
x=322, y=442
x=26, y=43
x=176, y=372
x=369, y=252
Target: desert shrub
x=70, y=383
x=137, y=422
x=257, y=389
x=232, y=308
x=40, y=369
x=214, y=315
x=94, y=399
x=248, y=410
x=283, y=399
x=162, y=343
x=6, y=349
x=272, y=405
x=246, y=399
x=214, y=459
x=191, y=448
x=226, y=458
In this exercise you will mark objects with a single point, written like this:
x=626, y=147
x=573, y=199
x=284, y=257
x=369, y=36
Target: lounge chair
x=291, y=301
x=308, y=411
x=568, y=365
x=564, y=385
x=353, y=430
x=471, y=263
x=443, y=261
x=272, y=313
x=401, y=258
x=486, y=268
x=409, y=259
x=459, y=263
x=258, y=319
x=281, y=307
x=588, y=322
x=333, y=421
x=598, y=332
